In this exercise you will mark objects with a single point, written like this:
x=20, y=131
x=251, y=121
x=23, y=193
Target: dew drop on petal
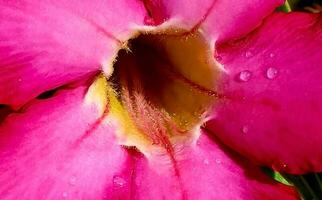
x=72, y=180
x=206, y=162
x=248, y=54
x=19, y=80
x=218, y=161
x=279, y=166
x=271, y=55
x=118, y=181
x=271, y=73
x=245, y=129
x=64, y=195
x=245, y=75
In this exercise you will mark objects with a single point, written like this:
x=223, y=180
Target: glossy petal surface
x=274, y=96
x=56, y=149
x=45, y=44
x=205, y=171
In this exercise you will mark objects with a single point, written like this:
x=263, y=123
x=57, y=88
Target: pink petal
x=274, y=94
x=220, y=20
x=44, y=154
x=57, y=149
x=45, y=44
x=205, y=171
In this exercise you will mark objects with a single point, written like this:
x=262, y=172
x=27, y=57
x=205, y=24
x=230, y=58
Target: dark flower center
x=165, y=82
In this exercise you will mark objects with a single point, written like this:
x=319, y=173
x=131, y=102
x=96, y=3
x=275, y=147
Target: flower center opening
x=165, y=83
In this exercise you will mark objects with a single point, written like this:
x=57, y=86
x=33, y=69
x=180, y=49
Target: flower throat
x=165, y=83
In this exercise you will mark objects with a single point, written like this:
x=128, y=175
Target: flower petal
x=206, y=171
x=45, y=44
x=232, y=19
x=220, y=20
x=274, y=94
x=44, y=154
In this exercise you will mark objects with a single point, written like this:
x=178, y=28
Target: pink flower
x=131, y=85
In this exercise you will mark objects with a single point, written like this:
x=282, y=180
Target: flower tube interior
x=161, y=88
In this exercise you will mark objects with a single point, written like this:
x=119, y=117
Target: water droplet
x=64, y=195
x=118, y=181
x=218, y=161
x=248, y=54
x=279, y=166
x=245, y=129
x=206, y=162
x=271, y=73
x=245, y=75
x=72, y=180
x=271, y=55
x=19, y=80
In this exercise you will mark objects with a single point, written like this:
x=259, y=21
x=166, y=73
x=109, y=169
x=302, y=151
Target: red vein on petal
x=90, y=22
x=151, y=122
x=204, y=17
x=199, y=23
x=93, y=126
x=155, y=12
x=134, y=155
x=102, y=30
x=170, y=70
x=170, y=152
x=146, y=4
x=178, y=76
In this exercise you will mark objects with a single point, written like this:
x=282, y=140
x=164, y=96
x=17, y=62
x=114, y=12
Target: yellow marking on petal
x=126, y=129
x=97, y=94
x=101, y=94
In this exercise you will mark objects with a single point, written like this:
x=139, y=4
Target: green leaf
x=278, y=177
x=285, y=7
